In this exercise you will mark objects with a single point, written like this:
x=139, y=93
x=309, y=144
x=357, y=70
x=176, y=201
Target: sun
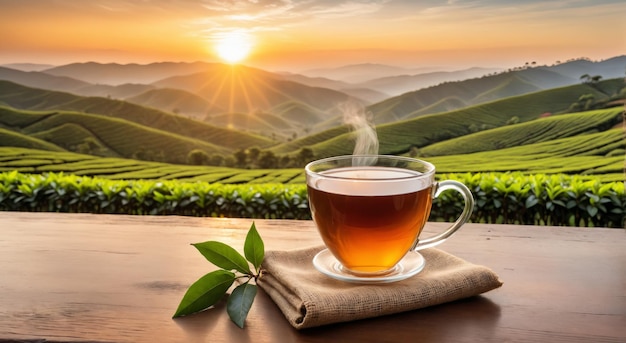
x=233, y=47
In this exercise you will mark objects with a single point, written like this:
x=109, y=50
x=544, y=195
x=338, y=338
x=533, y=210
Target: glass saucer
x=328, y=265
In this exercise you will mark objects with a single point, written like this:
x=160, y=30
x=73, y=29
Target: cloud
x=276, y=15
x=288, y=9
x=503, y=11
x=345, y=9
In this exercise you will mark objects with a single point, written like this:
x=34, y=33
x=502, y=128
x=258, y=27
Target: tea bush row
x=509, y=198
x=538, y=199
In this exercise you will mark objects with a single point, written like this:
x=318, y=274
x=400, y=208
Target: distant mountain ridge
x=42, y=80
x=28, y=66
x=401, y=80
x=362, y=72
x=116, y=74
x=399, y=84
x=297, y=104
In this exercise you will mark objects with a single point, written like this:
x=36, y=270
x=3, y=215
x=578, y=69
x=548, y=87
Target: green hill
x=244, y=89
x=475, y=91
x=599, y=153
x=541, y=130
x=16, y=139
x=242, y=121
x=310, y=140
x=400, y=136
x=22, y=97
x=176, y=101
x=108, y=136
x=297, y=112
x=74, y=137
x=276, y=121
x=514, y=85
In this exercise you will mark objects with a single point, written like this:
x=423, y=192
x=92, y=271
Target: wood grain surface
x=115, y=278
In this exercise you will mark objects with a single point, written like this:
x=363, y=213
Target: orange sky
x=295, y=35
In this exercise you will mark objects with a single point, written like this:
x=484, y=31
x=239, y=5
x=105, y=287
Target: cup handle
x=462, y=219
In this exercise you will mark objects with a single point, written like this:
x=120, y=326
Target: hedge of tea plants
x=510, y=198
x=537, y=199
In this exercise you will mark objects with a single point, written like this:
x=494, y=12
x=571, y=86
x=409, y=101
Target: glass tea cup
x=370, y=209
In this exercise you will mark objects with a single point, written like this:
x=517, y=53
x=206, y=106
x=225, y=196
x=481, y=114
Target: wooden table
x=114, y=278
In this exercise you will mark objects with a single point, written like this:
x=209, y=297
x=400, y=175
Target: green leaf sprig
x=210, y=288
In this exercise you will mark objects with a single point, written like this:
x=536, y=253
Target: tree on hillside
x=585, y=102
x=305, y=155
x=198, y=157
x=595, y=79
x=229, y=161
x=586, y=78
x=216, y=159
x=240, y=158
x=284, y=161
x=267, y=160
x=149, y=155
x=253, y=155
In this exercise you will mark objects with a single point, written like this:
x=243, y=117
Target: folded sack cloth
x=309, y=298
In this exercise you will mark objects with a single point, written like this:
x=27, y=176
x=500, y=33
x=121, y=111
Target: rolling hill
x=176, y=101
x=535, y=131
x=600, y=154
x=10, y=138
x=487, y=116
x=211, y=91
x=395, y=81
x=243, y=89
x=196, y=90
x=21, y=97
x=103, y=135
x=465, y=93
x=368, y=96
x=398, y=137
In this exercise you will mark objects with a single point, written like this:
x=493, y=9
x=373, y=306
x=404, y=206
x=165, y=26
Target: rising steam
x=366, y=142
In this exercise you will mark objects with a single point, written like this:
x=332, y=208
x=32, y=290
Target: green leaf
x=253, y=248
x=240, y=302
x=592, y=210
x=205, y=292
x=531, y=201
x=223, y=256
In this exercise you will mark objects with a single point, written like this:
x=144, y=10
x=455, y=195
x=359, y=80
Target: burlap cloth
x=309, y=298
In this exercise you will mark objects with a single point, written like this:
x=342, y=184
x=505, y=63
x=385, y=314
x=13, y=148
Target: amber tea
x=371, y=227
x=370, y=209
